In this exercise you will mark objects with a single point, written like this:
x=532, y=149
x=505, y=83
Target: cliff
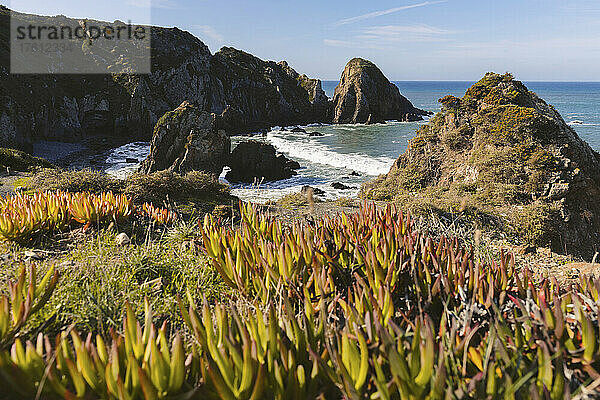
x=502, y=149
x=251, y=93
x=67, y=107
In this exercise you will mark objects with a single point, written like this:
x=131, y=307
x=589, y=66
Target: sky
x=536, y=40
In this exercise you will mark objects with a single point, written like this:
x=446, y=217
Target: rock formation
x=187, y=139
x=67, y=107
x=321, y=105
x=503, y=150
x=250, y=93
x=364, y=94
x=253, y=161
x=253, y=94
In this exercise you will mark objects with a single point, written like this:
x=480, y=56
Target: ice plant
x=23, y=215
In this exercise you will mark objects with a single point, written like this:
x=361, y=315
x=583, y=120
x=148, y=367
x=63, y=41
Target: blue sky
x=408, y=39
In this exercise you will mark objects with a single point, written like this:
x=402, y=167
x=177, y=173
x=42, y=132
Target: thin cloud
x=380, y=13
x=347, y=44
x=389, y=36
x=412, y=33
x=394, y=30
x=210, y=32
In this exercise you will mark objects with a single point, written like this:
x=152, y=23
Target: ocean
x=353, y=154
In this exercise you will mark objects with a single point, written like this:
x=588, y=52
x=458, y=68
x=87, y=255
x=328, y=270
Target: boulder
x=364, y=94
x=253, y=160
x=316, y=191
x=187, y=139
x=505, y=151
x=340, y=186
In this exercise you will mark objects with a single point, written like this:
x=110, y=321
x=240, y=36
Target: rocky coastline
x=247, y=93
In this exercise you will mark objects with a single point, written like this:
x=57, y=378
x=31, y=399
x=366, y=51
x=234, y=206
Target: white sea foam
x=117, y=159
x=580, y=123
x=316, y=152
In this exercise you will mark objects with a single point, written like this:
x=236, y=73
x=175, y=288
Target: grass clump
x=293, y=200
x=17, y=160
x=161, y=186
x=534, y=223
x=85, y=180
x=99, y=276
x=157, y=188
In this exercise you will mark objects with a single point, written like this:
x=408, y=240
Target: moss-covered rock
x=20, y=161
x=187, y=139
x=517, y=157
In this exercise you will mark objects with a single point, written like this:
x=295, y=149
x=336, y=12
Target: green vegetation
x=84, y=180
x=158, y=187
x=350, y=306
x=498, y=143
x=293, y=201
x=17, y=160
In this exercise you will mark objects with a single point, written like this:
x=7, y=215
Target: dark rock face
x=187, y=139
x=364, y=94
x=504, y=149
x=253, y=94
x=253, y=160
x=249, y=93
x=340, y=186
x=67, y=107
x=316, y=191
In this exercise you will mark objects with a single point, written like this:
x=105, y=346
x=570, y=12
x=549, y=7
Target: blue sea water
x=577, y=102
x=371, y=150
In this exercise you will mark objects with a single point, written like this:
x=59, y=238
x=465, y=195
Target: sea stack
x=187, y=139
x=502, y=150
x=364, y=95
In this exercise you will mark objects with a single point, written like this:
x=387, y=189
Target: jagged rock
x=297, y=130
x=253, y=160
x=187, y=139
x=249, y=93
x=314, y=134
x=258, y=93
x=340, y=186
x=316, y=191
x=504, y=150
x=69, y=107
x=131, y=160
x=365, y=94
x=321, y=105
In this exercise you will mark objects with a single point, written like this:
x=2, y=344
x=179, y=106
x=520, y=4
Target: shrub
x=534, y=223
x=159, y=186
x=85, y=180
x=293, y=200
x=20, y=161
x=154, y=188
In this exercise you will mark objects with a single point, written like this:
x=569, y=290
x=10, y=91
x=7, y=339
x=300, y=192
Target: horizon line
x=467, y=80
